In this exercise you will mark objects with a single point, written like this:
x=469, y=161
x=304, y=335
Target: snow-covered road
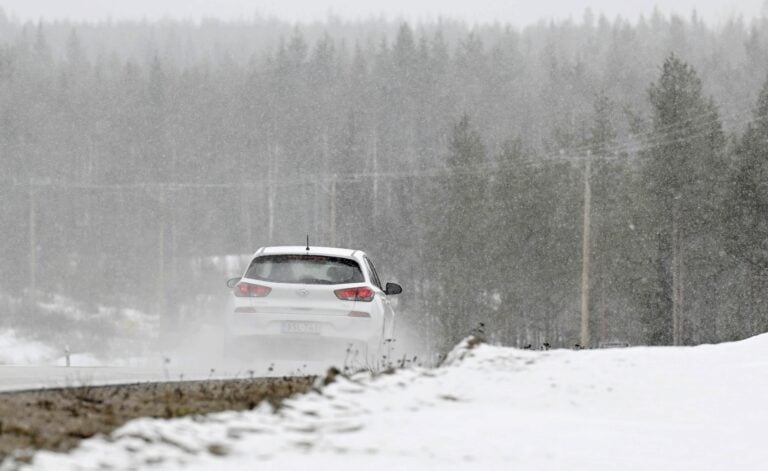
x=490, y=408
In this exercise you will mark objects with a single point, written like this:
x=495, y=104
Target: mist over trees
x=134, y=153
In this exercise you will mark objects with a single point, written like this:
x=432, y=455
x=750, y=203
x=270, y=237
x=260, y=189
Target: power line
x=653, y=138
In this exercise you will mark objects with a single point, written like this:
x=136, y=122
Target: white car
x=314, y=303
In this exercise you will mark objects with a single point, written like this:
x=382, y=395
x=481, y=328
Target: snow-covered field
x=17, y=350
x=81, y=336
x=489, y=408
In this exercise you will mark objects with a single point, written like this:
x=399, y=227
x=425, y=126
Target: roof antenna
x=307, y=242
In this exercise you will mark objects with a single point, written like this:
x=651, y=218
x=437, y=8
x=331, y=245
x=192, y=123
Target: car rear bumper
x=341, y=352
x=305, y=327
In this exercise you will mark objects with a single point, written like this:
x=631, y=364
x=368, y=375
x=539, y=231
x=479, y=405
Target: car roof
x=298, y=249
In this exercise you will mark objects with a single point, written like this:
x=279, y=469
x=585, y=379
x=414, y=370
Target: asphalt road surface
x=21, y=378
x=17, y=378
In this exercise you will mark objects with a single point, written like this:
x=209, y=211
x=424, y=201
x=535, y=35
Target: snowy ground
x=490, y=408
x=19, y=351
x=93, y=335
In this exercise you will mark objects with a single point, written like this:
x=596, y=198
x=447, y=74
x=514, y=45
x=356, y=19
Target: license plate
x=294, y=327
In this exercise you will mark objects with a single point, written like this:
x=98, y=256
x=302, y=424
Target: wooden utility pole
x=375, y=158
x=32, y=246
x=161, y=282
x=333, y=211
x=245, y=212
x=271, y=192
x=677, y=275
x=585, y=254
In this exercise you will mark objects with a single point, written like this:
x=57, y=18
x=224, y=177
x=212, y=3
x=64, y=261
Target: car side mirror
x=393, y=288
x=232, y=282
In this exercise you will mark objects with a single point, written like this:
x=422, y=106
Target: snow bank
x=16, y=350
x=95, y=335
x=489, y=408
x=132, y=321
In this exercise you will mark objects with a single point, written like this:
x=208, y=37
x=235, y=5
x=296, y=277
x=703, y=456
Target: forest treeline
x=135, y=153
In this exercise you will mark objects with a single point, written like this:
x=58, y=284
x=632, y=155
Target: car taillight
x=249, y=290
x=362, y=293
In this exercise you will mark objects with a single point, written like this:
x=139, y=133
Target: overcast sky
x=518, y=12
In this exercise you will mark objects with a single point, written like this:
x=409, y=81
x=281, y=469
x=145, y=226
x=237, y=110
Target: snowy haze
x=518, y=12
x=140, y=158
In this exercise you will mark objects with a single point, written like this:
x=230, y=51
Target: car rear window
x=305, y=269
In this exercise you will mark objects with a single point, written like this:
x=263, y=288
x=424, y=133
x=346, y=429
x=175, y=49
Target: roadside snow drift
x=489, y=408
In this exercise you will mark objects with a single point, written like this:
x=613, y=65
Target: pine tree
x=457, y=236
x=748, y=203
x=615, y=268
x=516, y=220
x=684, y=163
x=746, y=211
